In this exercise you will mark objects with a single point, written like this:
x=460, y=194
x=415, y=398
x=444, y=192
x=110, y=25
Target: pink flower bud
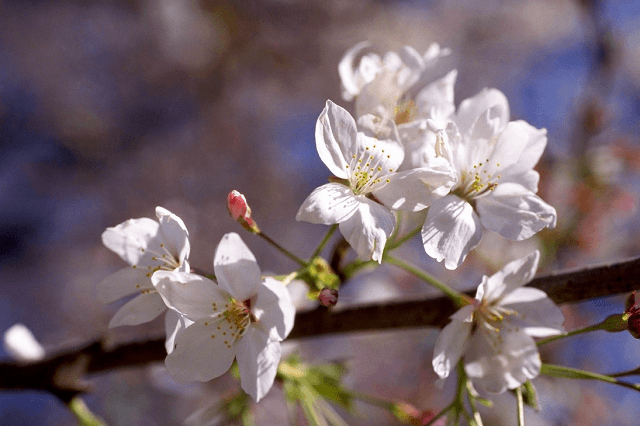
x=328, y=297
x=240, y=211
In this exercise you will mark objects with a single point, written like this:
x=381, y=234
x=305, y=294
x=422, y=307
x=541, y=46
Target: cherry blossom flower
x=495, y=333
x=379, y=84
x=365, y=161
x=241, y=317
x=404, y=87
x=148, y=246
x=496, y=188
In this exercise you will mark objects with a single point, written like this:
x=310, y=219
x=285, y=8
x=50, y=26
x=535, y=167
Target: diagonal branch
x=563, y=287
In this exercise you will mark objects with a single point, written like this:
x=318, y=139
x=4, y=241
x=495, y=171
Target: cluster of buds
x=241, y=212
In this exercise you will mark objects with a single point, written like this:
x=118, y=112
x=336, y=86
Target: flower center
x=238, y=314
x=478, y=181
x=490, y=319
x=405, y=111
x=161, y=259
x=368, y=170
x=232, y=323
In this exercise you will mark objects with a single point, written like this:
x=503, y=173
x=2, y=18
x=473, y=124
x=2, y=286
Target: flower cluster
x=408, y=148
x=209, y=324
x=470, y=168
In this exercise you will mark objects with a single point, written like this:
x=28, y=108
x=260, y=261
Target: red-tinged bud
x=241, y=212
x=328, y=297
x=632, y=315
x=409, y=414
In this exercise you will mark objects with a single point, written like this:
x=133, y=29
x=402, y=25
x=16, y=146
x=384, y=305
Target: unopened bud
x=409, y=414
x=632, y=315
x=241, y=212
x=328, y=297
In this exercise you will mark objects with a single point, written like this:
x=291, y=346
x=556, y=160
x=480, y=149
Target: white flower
x=496, y=188
x=148, y=246
x=495, y=333
x=378, y=84
x=241, y=317
x=367, y=161
x=20, y=343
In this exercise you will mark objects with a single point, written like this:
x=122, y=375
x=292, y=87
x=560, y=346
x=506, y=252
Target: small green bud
x=319, y=275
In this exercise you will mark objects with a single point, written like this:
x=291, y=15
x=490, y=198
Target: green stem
x=520, y=406
x=83, y=414
x=282, y=249
x=353, y=267
x=571, y=333
x=444, y=411
x=372, y=400
x=395, y=244
x=459, y=299
x=573, y=373
x=324, y=241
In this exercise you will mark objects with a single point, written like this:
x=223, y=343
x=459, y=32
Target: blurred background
x=109, y=108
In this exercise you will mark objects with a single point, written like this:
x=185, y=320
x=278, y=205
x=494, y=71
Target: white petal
x=378, y=143
x=435, y=101
x=450, y=346
x=236, y=268
x=130, y=239
x=142, y=308
x=535, y=142
x=514, y=212
x=335, y=137
x=513, y=275
x=274, y=307
x=472, y=108
x=258, y=357
x=174, y=324
x=419, y=144
x=516, y=151
x=416, y=189
x=123, y=283
x=464, y=314
x=200, y=353
x=350, y=77
x=21, y=345
x=451, y=231
x=381, y=95
x=496, y=365
x=368, y=228
x=190, y=294
x=174, y=233
x=328, y=204
x=537, y=315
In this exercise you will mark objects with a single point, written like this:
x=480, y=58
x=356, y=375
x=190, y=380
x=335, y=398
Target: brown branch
x=564, y=287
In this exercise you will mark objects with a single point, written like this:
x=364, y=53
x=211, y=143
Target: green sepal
x=318, y=275
x=529, y=395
